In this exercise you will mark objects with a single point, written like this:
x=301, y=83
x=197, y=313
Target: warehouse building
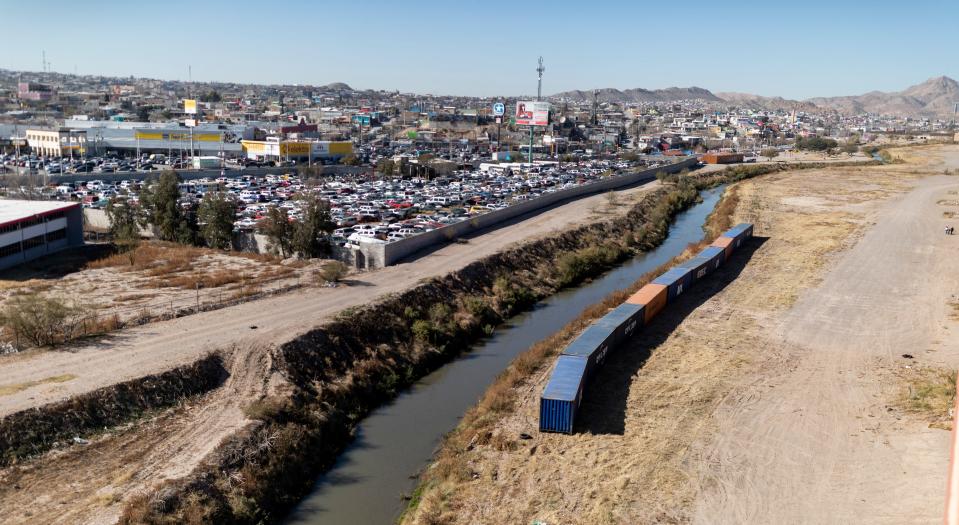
x=32, y=229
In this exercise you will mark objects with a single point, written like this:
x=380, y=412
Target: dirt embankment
x=91, y=483
x=37, y=430
x=646, y=449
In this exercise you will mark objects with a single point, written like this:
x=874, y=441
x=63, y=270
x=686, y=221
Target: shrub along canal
x=370, y=478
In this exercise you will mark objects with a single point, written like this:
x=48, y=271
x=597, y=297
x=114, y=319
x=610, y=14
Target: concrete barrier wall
x=388, y=254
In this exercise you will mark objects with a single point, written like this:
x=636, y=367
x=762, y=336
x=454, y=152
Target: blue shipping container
x=626, y=320
x=593, y=344
x=739, y=233
x=698, y=267
x=716, y=256
x=562, y=395
x=676, y=280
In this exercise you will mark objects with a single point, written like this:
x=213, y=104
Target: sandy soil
x=132, y=294
x=163, y=345
x=88, y=483
x=768, y=395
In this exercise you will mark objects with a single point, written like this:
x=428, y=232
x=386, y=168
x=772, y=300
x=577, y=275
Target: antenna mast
x=539, y=85
x=539, y=96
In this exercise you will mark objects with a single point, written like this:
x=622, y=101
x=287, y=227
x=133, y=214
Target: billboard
x=532, y=113
x=189, y=106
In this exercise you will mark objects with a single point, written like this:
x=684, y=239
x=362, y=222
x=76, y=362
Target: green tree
x=769, y=153
x=311, y=233
x=125, y=222
x=161, y=202
x=350, y=160
x=815, y=143
x=188, y=229
x=278, y=230
x=215, y=215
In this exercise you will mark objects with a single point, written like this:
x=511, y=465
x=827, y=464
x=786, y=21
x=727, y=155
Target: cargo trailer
x=652, y=297
x=676, y=280
x=562, y=395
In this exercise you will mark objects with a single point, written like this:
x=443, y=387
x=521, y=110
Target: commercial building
x=32, y=229
x=61, y=142
x=276, y=149
x=34, y=92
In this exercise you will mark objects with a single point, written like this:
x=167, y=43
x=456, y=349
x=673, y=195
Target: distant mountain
x=935, y=97
x=638, y=95
x=336, y=86
x=758, y=102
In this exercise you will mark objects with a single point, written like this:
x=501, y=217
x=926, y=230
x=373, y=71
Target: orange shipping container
x=726, y=243
x=653, y=297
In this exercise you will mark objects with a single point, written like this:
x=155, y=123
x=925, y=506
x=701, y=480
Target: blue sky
x=796, y=49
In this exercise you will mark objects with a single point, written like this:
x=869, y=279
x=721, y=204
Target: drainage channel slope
x=370, y=478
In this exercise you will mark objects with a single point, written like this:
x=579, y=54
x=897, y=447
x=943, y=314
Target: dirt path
x=819, y=443
x=88, y=483
x=160, y=346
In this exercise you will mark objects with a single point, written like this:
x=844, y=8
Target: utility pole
x=539, y=96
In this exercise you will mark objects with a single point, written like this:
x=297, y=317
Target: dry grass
x=133, y=297
x=929, y=393
x=157, y=257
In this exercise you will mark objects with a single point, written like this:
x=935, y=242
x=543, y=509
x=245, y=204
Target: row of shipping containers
x=581, y=359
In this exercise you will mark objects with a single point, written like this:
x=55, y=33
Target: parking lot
x=386, y=209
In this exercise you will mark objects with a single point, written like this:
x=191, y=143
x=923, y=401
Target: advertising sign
x=499, y=109
x=532, y=113
x=189, y=106
x=295, y=148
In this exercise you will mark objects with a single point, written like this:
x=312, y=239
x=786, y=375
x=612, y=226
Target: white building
x=32, y=229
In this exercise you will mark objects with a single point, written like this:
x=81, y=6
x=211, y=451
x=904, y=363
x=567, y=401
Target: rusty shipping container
x=653, y=297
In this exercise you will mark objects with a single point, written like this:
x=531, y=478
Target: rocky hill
x=638, y=95
x=935, y=97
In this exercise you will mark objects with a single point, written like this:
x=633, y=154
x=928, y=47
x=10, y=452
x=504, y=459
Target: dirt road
x=818, y=443
x=768, y=395
x=88, y=483
x=160, y=346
